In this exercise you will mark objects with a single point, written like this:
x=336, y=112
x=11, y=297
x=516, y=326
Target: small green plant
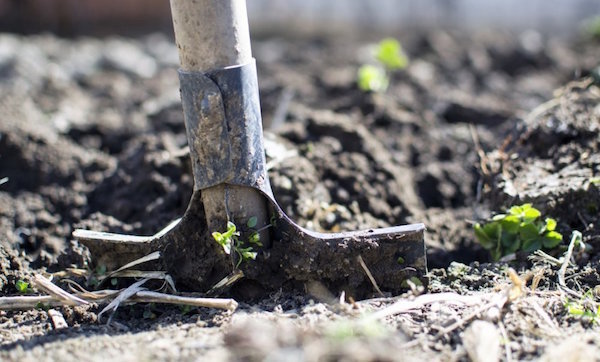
x=230, y=240
x=592, y=27
x=389, y=57
x=520, y=229
x=390, y=54
x=585, y=308
x=22, y=286
x=372, y=78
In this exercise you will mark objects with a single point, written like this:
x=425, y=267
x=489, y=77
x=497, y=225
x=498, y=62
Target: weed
x=230, y=240
x=22, y=286
x=585, y=308
x=390, y=54
x=520, y=229
x=591, y=27
x=372, y=78
x=389, y=57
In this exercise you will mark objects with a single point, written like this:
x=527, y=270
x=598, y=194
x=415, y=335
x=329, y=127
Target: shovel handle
x=211, y=34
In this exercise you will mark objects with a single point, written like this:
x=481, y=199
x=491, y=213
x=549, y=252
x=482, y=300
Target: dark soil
x=92, y=135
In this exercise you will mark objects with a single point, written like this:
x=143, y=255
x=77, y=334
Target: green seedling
x=22, y=286
x=230, y=240
x=389, y=57
x=585, y=308
x=372, y=78
x=520, y=229
x=592, y=27
x=390, y=54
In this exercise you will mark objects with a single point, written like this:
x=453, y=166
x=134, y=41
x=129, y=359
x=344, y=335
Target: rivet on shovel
x=219, y=93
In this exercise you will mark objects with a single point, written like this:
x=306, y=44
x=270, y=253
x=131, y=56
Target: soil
x=92, y=136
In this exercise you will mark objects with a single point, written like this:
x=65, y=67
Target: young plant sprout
x=520, y=229
x=388, y=57
x=230, y=240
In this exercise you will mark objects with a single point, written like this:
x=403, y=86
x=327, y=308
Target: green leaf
x=372, y=79
x=510, y=242
x=252, y=222
x=510, y=224
x=532, y=245
x=483, y=238
x=550, y=224
x=390, y=54
x=231, y=230
x=528, y=232
x=531, y=214
x=498, y=217
x=254, y=238
x=22, y=286
x=516, y=210
x=218, y=237
x=552, y=239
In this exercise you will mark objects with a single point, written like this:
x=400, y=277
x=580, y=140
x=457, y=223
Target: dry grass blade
x=124, y=295
x=150, y=257
x=227, y=281
x=149, y=274
x=565, y=263
x=47, y=286
x=155, y=297
x=78, y=272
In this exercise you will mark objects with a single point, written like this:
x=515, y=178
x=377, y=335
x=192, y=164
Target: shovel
x=219, y=93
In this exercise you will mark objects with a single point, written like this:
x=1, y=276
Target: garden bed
x=92, y=135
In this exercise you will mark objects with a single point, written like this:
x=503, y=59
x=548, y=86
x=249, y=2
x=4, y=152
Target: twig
x=565, y=263
x=506, y=341
x=155, y=297
x=3, y=180
x=483, y=159
x=32, y=302
x=29, y=302
x=368, y=272
x=47, y=286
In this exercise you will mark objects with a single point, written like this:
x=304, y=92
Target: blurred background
x=132, y=17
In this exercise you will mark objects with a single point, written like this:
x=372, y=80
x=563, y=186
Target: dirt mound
x=552, y=159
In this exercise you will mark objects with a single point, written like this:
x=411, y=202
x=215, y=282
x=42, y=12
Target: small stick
x=563, y=268
x=29, y=302
x=155, y=297
x=368, y=272
x=506, y=341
